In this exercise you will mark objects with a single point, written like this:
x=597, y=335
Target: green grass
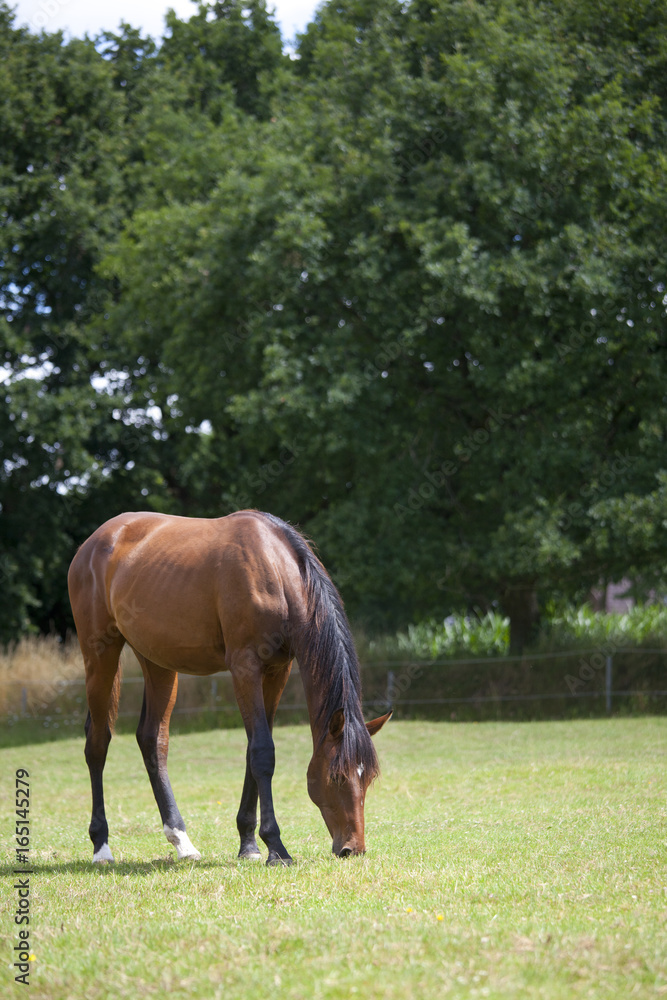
x=541, y=846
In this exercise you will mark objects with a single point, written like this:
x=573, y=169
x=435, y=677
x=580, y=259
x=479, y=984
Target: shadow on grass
x=137, y=868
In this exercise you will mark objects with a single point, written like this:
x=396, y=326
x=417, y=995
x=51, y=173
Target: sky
x=78, y=17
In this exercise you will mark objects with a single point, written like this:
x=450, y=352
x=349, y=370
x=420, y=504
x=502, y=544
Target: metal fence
x=543, y=685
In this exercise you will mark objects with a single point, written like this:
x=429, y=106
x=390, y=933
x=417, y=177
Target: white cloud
x=79, y=17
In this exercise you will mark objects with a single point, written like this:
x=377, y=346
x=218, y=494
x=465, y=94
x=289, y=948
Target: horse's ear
x=336, y=723
x=376, y=725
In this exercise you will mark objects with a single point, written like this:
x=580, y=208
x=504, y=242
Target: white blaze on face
x=360, y=771
x=182, y=843
x=104, y=854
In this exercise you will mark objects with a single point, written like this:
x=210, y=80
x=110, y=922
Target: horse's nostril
x=345, y=853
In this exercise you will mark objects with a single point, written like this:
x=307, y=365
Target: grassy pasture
x=503, y=861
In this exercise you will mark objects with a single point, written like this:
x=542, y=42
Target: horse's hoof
x=275, y=859
x=249, y=856
x=195, y=856
x=185, y=849
x=103, y=856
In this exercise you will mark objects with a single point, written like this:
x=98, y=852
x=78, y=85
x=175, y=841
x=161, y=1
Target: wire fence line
x=472, y=700
x=392, y=664
x=545, y=684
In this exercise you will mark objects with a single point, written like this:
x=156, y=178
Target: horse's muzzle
x=347, y=851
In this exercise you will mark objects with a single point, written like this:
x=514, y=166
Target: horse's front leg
x=246, y=819
x=273, y=685
x=246, y=670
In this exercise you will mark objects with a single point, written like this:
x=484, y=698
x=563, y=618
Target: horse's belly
x=197, y=660
x=178, y=632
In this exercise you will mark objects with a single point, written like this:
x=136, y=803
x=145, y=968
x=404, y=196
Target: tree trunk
x=521, y=605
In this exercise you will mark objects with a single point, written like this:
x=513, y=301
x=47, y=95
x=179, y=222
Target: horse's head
x=340, y=796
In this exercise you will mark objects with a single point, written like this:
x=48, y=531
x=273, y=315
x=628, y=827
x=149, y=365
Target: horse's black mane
x=325, y=649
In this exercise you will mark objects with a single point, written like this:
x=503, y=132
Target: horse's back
x=183, y=591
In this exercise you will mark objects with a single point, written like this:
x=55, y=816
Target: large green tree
x=422, y=310
x=405, y=289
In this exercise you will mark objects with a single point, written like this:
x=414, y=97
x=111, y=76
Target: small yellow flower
x=219, y=802
x=32, y=958
x=440, y=916
x=409, y=909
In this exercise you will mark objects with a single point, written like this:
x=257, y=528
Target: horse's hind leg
x=102, y=691
x=273, y=685
x=153, y=739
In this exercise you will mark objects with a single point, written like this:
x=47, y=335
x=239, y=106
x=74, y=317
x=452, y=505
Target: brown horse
x=243, y=593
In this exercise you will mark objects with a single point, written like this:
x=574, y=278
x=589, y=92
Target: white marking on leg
x=104, y=854
x=182, y=843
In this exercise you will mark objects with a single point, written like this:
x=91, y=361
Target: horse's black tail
x=325, y=649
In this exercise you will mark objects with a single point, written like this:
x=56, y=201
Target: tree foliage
x=405, y=289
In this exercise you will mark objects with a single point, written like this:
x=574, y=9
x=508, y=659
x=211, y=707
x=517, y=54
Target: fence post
x=24, y=702
x=390, y=688
x=214, y=690
x=607, y=683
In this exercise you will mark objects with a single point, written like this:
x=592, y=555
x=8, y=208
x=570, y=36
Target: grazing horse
x=243, y=593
